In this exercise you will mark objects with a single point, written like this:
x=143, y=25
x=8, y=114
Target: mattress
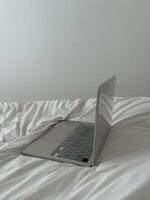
x=124, y=169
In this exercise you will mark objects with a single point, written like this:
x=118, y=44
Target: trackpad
x=41, y=148
x=59, y=132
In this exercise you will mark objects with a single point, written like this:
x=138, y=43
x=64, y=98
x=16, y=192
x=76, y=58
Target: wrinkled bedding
x=124, y=169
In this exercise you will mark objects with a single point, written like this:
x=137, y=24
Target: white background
x=65, y=48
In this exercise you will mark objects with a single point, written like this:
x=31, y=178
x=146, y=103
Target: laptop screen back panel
x=104, y=109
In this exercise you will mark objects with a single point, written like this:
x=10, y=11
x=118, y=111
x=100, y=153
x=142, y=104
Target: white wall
x=65, y=48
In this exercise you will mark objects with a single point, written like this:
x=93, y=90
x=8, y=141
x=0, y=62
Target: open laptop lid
x=104, y=109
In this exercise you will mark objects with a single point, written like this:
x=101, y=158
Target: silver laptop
x=78, y=142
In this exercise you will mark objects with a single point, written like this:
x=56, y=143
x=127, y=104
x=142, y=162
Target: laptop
x=78, y=142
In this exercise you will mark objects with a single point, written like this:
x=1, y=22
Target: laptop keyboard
x=78, y=145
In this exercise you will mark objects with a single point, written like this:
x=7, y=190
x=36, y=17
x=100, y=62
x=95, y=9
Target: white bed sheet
x=124, y=170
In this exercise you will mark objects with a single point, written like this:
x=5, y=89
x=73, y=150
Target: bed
x=124, y=169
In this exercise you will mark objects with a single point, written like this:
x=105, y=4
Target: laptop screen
x=104, y=109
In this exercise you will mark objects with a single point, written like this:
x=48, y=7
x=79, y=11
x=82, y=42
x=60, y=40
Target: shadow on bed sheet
x=126, y=143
